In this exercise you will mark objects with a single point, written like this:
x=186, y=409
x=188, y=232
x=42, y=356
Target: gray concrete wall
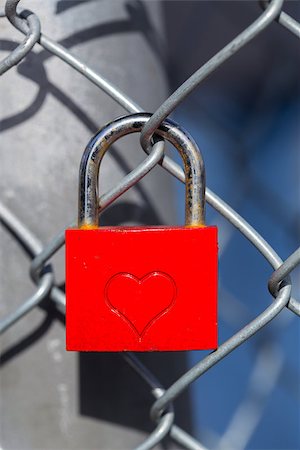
x=52, y=399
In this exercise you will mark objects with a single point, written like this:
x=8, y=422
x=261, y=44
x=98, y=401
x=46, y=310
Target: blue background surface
x=252, y=162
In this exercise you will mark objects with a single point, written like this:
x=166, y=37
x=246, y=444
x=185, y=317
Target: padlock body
x=141, y=289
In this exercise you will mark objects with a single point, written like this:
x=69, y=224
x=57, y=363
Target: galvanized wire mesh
x=279, y=284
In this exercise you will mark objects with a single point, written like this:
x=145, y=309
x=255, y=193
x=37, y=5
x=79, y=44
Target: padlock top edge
x=139, y=228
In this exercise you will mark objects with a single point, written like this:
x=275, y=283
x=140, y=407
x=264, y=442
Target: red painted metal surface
x=141, y=289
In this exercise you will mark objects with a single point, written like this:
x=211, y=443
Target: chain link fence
x=279, y=284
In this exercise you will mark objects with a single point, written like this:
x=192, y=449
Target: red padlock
x=136, y=288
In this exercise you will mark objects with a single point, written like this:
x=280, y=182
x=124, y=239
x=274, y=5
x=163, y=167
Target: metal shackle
x=169, y=130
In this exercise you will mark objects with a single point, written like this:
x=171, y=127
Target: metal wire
x=32, y=36
x=285, y=20
x=201, y=74
x=281, y=273
x=42, y=273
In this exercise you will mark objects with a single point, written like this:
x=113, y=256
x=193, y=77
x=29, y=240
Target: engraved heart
x=140, y=301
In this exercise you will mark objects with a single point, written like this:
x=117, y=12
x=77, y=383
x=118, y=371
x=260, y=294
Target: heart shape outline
x=140, y=281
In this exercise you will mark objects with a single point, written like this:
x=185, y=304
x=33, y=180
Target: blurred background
x=245, y=118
